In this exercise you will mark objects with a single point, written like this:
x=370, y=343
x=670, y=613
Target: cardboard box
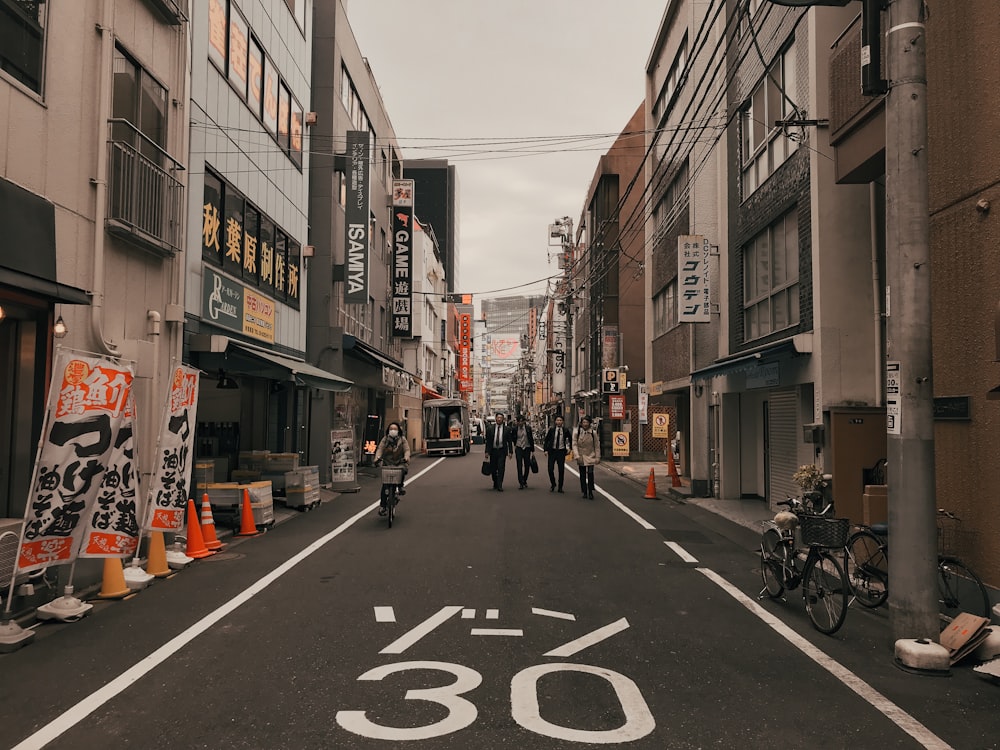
x=875, y=504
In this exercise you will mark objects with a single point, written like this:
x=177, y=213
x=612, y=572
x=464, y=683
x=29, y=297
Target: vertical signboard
x=693, y=291
x=643, y=404
x=168, y=492
x=357, y=215
x=893, y=412
x=86, y=409
x=342, y=461
x=401, y=300
x=609, y=346
x=465, y=352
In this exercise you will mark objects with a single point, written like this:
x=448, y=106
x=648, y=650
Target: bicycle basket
x=819, y=531
x=392, y=474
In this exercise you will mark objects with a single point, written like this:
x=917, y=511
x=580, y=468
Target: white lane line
x=586, y=641
x=75, y=714
x=517, y=632
x=634, y=516
x=406, y=640
x=385, y=614
x=493, y=614
x=552, y=613
x=890, y=710
x=468, y=614
x=681, y=552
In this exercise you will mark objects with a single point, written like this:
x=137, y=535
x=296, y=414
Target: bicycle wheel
x=867, y=568
x=773, y=558
x=960, y=590
x=826, y=591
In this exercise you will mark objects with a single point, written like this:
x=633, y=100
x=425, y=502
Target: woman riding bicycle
x=393, y=450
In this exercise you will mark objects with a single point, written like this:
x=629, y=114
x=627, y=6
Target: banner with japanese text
x=401, y=298
x=113, y=526
x=693, y=281
x=168, y=491
x=85, y=410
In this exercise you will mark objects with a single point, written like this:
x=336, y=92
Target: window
x=665, y=309
x=295, y=133
x=676, y=194
x=298, y=10
x=217, y=32
x=765, y=147
x=771, y=279
x=270, y=97
x=352, y=101
x=22, y=40
x=141, y=103
x=239, y=41
x=283, y=115
x=256, y=79
x=671, y=83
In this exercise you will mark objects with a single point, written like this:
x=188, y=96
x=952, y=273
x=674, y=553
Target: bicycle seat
x=880, y=529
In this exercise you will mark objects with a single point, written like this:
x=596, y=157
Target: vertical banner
x=86, y=406
x=113, y=526
x=342, y=461
x=357, y=215
x=643, y=404
x=401, y=299
x=610, y=346
x=168, y=491
x=465, y=352
x=693, y=290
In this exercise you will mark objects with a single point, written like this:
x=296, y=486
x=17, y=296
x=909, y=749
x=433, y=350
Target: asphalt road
x=481, y=620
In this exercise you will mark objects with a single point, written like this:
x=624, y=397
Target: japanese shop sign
x=465, y=352
x=85, y=412
x=616, y=406
x=693, y=290
x=342, y=462
x=229, y=304
x=357, y=216
x=168, y=491
x=113, y=526
x=401, y=298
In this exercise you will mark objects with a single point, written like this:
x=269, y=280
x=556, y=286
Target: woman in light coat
x=587, y=451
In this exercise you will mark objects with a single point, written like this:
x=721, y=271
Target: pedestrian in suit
x=587, y=449
x=499, y=447
x=524, y=446
x=557, y=442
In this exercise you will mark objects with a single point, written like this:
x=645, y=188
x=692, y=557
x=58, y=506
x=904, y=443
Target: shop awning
x=302, y=372
x=28, y=251
x=427, y=393
x=799, y=344
x=222, y=352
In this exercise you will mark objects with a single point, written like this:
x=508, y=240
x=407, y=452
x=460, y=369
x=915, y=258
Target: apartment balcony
x=145, y=200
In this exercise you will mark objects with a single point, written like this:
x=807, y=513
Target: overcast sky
x=502, y=84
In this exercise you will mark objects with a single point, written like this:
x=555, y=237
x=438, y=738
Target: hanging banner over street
x=85, y=410
x=693, y=290
x=357, y=215
x=168, y=491
x=401, y=300
x=113, y=526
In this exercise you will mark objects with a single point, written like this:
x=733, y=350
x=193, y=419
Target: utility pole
x=909, y=399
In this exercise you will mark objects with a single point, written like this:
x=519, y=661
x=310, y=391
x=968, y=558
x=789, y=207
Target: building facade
x=437, y=203
x=93, y=138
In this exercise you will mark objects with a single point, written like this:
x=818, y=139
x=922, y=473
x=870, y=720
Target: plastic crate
x=819, y=531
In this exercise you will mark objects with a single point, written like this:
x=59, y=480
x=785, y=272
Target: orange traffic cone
x=113, y=584
x=156, y=565
x=675, y=478
x=247, y=526
x=208, y=525
x=650, y=487
x=196, y=545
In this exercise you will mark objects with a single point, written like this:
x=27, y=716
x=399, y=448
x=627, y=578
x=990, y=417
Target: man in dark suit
x=499, y=447
x=524, y=446
x=557, y=442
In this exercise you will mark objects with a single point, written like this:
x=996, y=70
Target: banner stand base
x=66, y=608
x=13, y=636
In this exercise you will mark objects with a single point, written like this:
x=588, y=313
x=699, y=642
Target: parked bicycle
x=783, y=565
x=867, y=562
x=392, y=477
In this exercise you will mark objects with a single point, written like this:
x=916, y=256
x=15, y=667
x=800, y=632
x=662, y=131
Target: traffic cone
x=675, y=478
x=156, y=564
x=247, y=526
x=650, y=487
x=113, y=584
x=208, y=525
x=196, y=545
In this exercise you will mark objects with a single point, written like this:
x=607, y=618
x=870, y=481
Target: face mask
x=393, y=433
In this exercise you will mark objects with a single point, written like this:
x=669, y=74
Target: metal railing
x=145, y=200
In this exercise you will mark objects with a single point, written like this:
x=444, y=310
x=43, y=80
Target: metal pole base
x=135, y=577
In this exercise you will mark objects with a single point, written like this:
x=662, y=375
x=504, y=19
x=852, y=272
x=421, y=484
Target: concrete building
x=437, y=204
x=247, y=236
x=507, y=321
x=608, y=280
x=352, y=338
x=93, y=143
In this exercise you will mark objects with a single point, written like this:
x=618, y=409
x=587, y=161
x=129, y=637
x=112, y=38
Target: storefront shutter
x=783, y=442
